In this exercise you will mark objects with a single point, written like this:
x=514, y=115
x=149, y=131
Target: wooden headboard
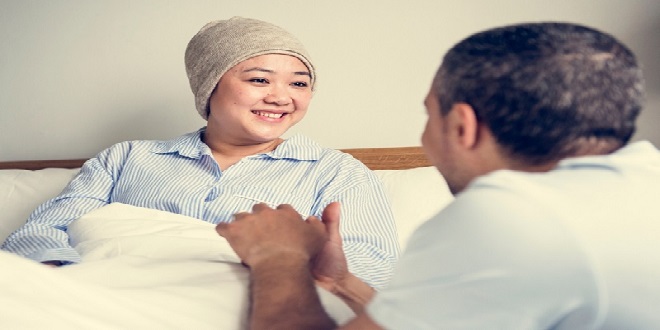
x=399, y=158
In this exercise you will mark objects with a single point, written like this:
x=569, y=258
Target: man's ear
x=464, y=121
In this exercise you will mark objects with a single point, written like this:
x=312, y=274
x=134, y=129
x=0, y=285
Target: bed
x=146, y=268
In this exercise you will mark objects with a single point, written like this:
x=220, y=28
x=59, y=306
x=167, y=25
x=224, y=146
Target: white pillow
x=416, y=195
x=22, y=191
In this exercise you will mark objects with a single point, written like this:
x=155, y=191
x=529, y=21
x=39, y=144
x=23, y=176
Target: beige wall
x=77, y=76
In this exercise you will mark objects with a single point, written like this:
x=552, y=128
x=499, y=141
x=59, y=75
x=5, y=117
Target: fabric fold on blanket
x=120, y=229
x=152, y=267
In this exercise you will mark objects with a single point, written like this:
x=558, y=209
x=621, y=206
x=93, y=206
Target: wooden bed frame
x=398, y=158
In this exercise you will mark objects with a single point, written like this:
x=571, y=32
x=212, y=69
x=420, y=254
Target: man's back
x=611, y=205
x=573, y=248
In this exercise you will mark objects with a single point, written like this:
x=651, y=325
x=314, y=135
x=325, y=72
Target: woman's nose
x=278, y=95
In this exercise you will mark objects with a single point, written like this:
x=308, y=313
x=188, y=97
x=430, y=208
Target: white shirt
x=574, y=248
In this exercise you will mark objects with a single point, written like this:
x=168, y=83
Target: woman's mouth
x=268, y=114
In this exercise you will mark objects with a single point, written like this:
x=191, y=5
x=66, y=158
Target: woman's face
x=259, y=99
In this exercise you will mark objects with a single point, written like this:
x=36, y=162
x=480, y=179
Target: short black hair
x=545, y=89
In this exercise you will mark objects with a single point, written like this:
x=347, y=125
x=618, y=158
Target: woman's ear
x=464, y=122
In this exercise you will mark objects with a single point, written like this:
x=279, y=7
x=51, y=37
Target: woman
x=252, y=81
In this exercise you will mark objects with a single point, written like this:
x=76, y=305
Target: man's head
x=545, y=91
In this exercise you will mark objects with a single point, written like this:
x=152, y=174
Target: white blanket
x=141, y=268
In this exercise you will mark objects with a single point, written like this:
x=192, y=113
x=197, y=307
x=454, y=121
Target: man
x=555, y=221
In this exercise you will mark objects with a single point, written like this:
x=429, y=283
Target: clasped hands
x=266, y=235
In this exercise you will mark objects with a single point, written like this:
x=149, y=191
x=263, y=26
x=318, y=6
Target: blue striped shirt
x=181, y=176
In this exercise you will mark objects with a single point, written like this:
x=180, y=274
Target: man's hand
x=278, y=246
x=266, y=233
x=329, y=267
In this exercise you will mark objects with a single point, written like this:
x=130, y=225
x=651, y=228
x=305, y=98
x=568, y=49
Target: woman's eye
x=259, y=80
x=300, y=84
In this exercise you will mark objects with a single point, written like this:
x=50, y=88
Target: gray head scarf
x=220, y=45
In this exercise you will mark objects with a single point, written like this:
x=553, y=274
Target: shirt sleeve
x=44, y=236
x=367, y=223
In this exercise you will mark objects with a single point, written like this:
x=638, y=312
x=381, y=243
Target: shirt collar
x=298, y=147
x=190, y=145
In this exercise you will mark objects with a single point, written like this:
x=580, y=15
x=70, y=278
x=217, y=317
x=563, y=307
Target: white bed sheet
x=141, y=268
